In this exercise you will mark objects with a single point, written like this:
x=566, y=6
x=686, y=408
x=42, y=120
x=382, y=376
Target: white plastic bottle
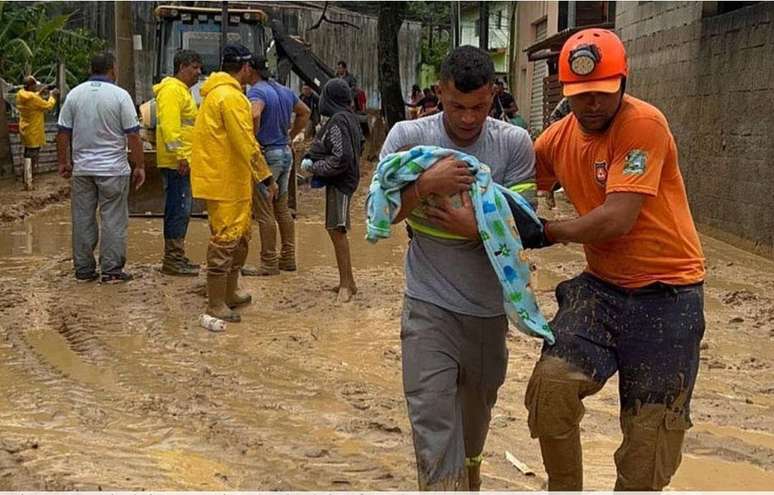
x=211, y=323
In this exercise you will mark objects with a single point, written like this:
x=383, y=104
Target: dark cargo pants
x=651, y=337
x=453, y=365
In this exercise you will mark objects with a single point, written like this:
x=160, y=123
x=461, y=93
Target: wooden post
x=223, y=28
x=483, y=31
x=6, y=160
x=124, y=45
x=455, y=24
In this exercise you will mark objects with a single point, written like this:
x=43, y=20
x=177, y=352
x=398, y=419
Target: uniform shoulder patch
x=635, y=163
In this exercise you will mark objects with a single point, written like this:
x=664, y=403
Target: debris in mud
x=383, y=427
x=737, y=319
x=523, y=468
x=316, y=453
x=739, y=296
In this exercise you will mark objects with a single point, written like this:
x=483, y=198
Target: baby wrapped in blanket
x=494, y=207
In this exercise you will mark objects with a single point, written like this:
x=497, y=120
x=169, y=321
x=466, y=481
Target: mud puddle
x=116, y=387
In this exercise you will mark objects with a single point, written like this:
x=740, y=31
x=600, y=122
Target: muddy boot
x=263, y=271
x=173, y=263
x=236, y=297
x=216, y=299
x=287, y=230
x=190, y=264
x=474, y=474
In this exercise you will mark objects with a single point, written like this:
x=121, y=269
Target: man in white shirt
x=98, y=120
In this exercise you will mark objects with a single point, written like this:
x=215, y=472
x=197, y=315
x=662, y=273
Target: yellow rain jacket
x=225, y=158
x=175, y=116
x=32, y=107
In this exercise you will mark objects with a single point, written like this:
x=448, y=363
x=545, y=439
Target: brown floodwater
x=117, y=387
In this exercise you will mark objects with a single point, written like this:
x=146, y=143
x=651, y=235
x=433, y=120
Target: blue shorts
x=650, y=336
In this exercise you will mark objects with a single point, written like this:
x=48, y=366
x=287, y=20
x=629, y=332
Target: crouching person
x=225, y=160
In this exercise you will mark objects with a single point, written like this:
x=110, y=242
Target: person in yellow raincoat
x=225, y=160
x=33, y=102
x=176, y=113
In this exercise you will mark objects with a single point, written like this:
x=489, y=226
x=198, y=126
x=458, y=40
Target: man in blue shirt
x=273, y=106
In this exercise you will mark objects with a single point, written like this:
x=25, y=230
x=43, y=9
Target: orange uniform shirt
x=637, y=153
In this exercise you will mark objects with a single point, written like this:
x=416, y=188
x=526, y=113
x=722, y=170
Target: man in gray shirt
x=99, y=120
x=454, y=325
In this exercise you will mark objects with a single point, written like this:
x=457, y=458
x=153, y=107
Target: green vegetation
x=436, y=37
x=33, y=42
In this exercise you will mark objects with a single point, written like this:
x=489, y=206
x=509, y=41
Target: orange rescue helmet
x=592, y=60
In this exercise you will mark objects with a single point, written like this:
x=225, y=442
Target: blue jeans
x=280, y=161
x=178, y=203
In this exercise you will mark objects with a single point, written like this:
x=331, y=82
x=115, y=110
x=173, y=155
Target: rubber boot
x=234, y=296
x=173, y=263
x=185, y=261
x=190, y=264
x=216, y=299
x=287, y=230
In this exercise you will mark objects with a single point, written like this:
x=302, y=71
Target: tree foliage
x=33, y=42
x=436, y=33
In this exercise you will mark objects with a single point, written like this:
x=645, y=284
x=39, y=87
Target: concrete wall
x=358, y=47
x=47, y=161
x=528, y=14
x=713, y=77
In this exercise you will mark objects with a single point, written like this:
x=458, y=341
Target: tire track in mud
x=87, y=336
x=84, y=342
x=56, y=396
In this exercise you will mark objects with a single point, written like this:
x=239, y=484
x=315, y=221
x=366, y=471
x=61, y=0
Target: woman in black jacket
x=334, y=160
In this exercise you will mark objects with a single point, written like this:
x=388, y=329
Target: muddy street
x=117, y=387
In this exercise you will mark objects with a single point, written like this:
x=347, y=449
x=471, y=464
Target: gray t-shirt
x=454, y=274
x=99, y=114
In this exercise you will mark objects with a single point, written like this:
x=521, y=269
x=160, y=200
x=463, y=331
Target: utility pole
x=571, y=14
x=122, y=14
x=483, y=25
x=223, y=27
x=6, y=160
x=455, y=24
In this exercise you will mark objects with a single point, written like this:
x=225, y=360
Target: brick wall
x=47, y=161
x=713, y=77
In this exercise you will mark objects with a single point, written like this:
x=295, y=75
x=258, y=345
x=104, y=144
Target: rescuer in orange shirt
x=637, y=309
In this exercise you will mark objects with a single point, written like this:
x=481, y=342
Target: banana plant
x=32, y=42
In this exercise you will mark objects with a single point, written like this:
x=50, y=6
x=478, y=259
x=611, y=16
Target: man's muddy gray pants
x=453, y=365
x=110, y=195
x=651, y=338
